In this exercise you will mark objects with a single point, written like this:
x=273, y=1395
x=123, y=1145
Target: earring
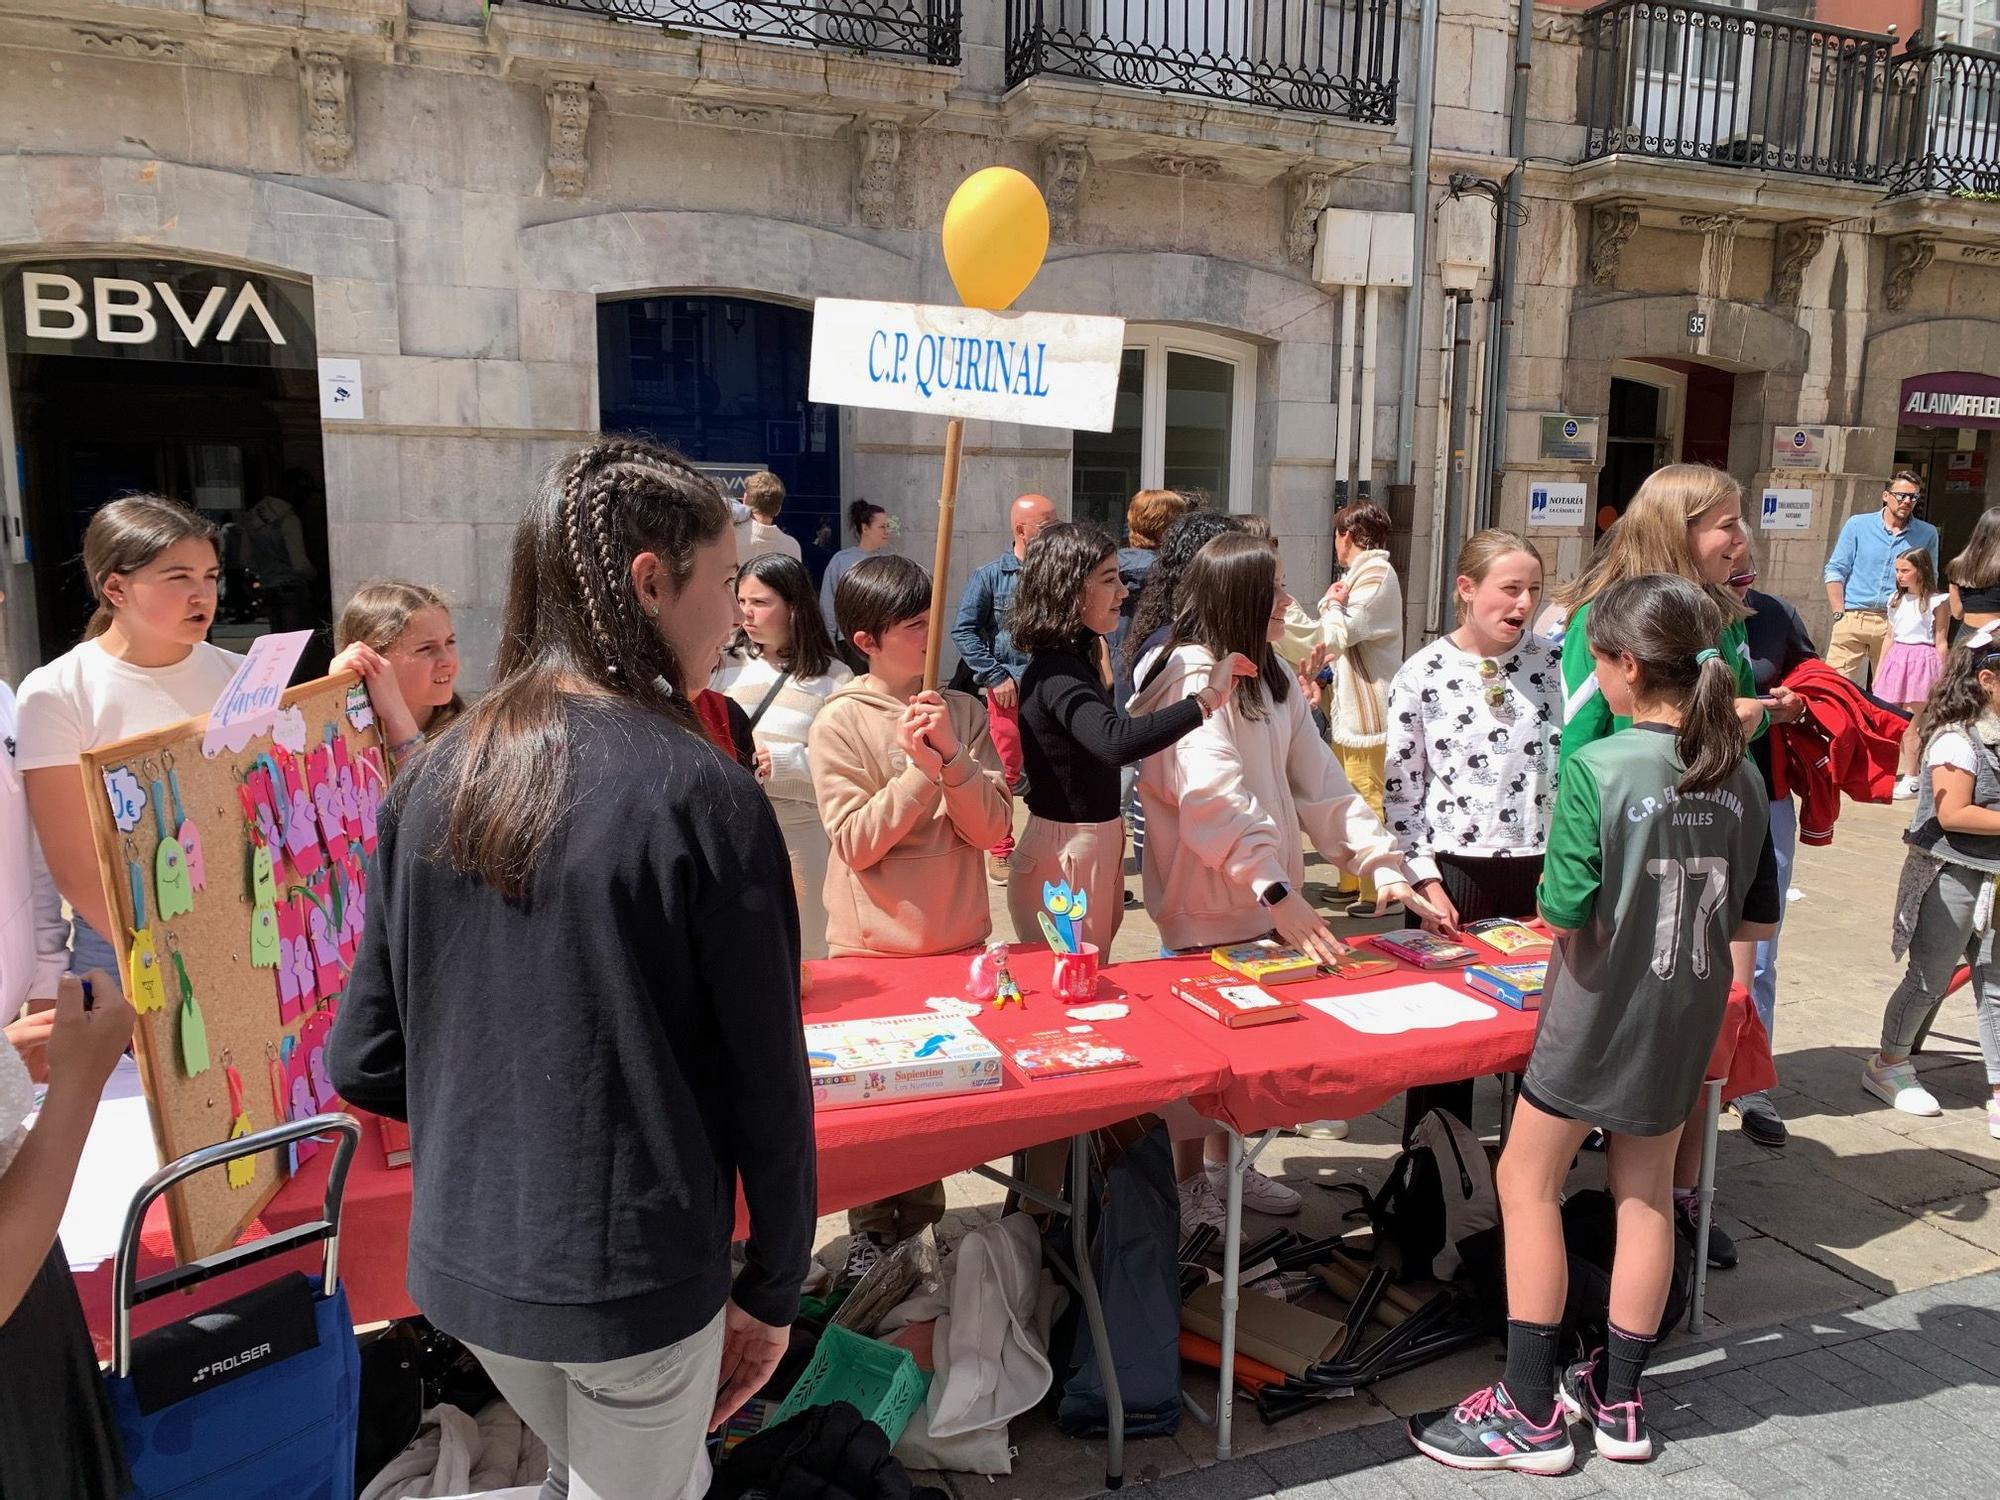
x=652, y=611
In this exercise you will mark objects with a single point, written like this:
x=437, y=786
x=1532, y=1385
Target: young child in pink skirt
x=1914, y=653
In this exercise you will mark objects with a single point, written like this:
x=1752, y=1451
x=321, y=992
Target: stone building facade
x=493, y=232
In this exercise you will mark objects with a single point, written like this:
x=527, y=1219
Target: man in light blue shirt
x=1861, y=575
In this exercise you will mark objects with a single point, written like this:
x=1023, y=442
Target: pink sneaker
x=1621, y=1429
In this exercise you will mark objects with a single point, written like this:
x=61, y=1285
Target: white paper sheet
x=1428, y=1006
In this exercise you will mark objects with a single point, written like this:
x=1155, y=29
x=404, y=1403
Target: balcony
x=1731, y=88
x=1944, y=125
x=1331, y=58
x=925, y=30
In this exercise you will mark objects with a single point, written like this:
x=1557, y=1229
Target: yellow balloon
x=996, y=231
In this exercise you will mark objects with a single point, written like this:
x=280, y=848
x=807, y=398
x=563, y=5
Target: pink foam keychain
x=354, y=908
x=350, y=791
x=330, y=975
x=326, y=796
x=298, y=951
x=372, y=781
x=290, y=1001
x=299, y=1095
x=312, y=1042
x=301, y=823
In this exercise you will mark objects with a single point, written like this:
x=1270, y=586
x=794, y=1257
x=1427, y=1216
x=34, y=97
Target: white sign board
x=1788, y=510
x=1557, y=503
x=1799, y=449
x=340, y=390
x=1043, y=369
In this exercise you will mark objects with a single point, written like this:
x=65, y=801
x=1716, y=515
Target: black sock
x=1625, y=1356
x=1532, y=1351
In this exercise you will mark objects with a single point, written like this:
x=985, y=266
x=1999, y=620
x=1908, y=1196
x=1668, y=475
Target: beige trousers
x=1856, y=644
x=1090, y=856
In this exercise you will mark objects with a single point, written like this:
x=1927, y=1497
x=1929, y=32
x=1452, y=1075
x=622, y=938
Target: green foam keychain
x=170, y=871
x=194, y=1031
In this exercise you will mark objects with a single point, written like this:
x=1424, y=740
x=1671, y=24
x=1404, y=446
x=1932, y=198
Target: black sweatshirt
x=585, y=1072
x=1074, y=739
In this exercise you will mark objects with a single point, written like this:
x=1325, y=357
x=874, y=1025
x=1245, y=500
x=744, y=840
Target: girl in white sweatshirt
x=1224, y=863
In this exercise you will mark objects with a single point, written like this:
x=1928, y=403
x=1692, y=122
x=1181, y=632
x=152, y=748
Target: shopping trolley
x=256, y=1397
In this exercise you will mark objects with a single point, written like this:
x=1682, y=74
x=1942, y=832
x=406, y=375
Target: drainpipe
x=1495, y=426
x=1449, y=532
x=1420, y=212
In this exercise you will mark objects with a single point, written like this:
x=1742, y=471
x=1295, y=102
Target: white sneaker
x=1265, y=1195
x=1906, y=788
x=1322, y=1130
x=1199, y=1205
x=1896, y=1084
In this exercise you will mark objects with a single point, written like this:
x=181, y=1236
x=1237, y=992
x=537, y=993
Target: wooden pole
x=954, y=435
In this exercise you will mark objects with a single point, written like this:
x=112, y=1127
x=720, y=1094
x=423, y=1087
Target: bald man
x=981, y=635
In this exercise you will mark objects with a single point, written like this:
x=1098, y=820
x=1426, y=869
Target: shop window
x=1183, y=423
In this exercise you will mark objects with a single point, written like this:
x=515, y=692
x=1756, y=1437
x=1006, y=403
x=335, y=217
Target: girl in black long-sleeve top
x=579, y=985
x=1074, y=738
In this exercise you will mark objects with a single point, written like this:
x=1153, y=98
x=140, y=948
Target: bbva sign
x=120, y=311
x=159, y=311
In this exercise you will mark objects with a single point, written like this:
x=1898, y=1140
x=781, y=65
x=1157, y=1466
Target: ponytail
x=1710, y=740
x=1670, y=628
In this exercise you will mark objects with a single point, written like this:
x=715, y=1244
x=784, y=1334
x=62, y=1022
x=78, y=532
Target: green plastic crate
x=879, y=1380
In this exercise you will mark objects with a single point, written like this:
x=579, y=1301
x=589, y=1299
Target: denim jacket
x=980, y=632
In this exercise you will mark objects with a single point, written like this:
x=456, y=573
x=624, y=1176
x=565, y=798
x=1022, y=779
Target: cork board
x=262, y=1003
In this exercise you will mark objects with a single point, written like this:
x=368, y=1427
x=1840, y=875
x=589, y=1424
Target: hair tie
x=1707, y=653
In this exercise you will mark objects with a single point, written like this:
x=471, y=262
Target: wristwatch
x=1839, y=613
x=1274, y=893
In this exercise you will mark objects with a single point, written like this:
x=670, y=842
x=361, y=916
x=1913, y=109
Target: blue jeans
x=1784, y=844
x=89, y=950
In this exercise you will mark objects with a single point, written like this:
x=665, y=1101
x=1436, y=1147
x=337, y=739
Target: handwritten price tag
x=128, y=797
x=248, y=706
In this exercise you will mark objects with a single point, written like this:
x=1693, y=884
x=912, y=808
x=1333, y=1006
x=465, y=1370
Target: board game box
x=898, y=1057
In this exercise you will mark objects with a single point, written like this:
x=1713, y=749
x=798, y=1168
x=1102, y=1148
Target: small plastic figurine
x=988, y=978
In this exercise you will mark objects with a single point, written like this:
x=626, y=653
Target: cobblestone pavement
x=1897, y=1399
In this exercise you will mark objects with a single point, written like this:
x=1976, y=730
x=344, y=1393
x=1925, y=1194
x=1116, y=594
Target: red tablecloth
x=1254, y=1079
x=1318, y=1067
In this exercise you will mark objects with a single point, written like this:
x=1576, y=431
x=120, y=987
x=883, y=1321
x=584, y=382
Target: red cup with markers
x=1076, y=973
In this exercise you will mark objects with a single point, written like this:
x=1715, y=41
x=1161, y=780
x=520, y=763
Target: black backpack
x=1439, y=1192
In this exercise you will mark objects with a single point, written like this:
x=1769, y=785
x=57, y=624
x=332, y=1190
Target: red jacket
x=1847, y=742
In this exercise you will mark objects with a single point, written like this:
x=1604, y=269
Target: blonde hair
x=377, y=616
x=1651, y=537
x=1485, y=548
x=127, y=534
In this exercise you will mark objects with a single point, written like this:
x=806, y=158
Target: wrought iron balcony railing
x=1325, y=57
x=1709, y=83
x=927, y=30
x=1944, y=123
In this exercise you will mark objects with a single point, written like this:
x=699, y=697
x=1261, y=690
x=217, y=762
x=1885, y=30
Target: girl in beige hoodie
x=908, y=784
x=911, y=794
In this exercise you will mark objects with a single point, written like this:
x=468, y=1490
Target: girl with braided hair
x=580, y=986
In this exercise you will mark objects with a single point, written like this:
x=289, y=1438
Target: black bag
x=1438, y=1193
x=1590, y=1234
x=824, y=1453
x=1135, y=1254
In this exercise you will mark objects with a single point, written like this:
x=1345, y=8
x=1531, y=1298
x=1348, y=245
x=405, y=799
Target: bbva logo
x=120, y=311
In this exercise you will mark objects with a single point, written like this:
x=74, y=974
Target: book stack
x=1267, y=962
x=1234, y=1002
x=1518, y=985
x=1425, y=950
